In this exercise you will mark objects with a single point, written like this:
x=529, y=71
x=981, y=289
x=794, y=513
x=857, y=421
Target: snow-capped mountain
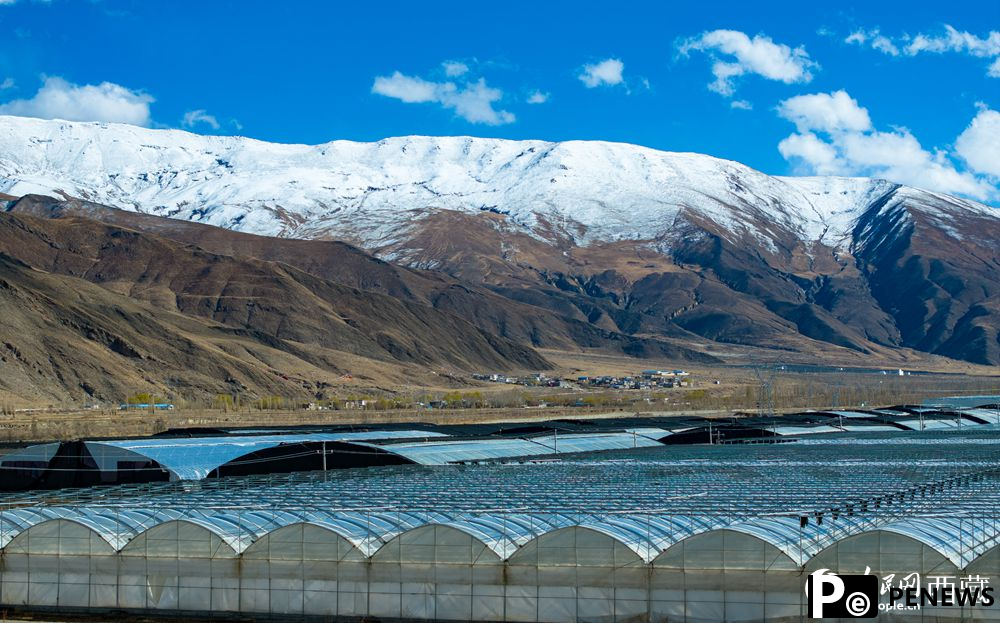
x=627, y=239
x=371, y=193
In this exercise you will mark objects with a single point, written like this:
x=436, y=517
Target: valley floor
x=739, y=390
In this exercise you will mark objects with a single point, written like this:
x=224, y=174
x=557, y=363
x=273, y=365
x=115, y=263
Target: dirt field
x=715, y=392
x=90, y=424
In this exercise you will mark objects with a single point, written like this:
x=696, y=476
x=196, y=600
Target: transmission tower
x=766, y=374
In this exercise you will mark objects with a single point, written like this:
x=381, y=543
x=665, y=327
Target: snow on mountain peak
x=371, y=192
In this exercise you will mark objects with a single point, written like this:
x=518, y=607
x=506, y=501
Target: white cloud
x=979, y=144
x=875, y=39
x=8, y=83
x=898, y=156
x=827, y=112
x=13, y=2
x=858, y=36
x=605, y=73
x=820, y=156
x=741, y=105
x=453, y=69
x=835, y=136
x=885, y=45
x=473, y=101
x=409, y=89
x=537, y=97
x=194, y=117
x=59, y=99
x=954, y=40
x=951, y=40
x=735, y=54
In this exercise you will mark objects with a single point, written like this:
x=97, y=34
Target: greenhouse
x=635, y=533
x=198, y=455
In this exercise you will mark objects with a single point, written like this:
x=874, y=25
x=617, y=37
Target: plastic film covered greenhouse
x=664, y=533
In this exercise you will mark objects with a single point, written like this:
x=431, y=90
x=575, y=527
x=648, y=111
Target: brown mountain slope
x=64, y=338
x=914, y=275
x=908, y=279
x=942, y=289
x=707, y=287
x=344, y=264
x=272, y=304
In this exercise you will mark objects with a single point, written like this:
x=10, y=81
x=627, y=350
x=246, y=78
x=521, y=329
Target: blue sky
x=904, y=90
